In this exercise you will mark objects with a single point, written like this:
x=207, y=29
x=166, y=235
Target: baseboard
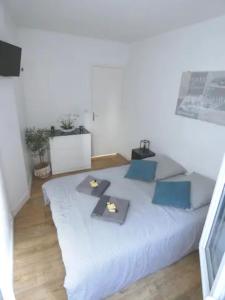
x=22, y=201
x=30, y=182
x=126, y=154
x=24, y=198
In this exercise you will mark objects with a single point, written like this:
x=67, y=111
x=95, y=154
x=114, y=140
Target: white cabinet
x=70, y=152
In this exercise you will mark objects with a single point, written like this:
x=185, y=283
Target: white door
x=107, y=84
x=212, y=244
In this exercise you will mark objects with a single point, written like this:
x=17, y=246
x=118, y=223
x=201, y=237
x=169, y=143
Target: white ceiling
x=123, y=20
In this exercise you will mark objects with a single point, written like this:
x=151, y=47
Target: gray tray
x=84, y=186
x=101, y=212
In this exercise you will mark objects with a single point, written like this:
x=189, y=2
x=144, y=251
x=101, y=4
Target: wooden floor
x=39, y=271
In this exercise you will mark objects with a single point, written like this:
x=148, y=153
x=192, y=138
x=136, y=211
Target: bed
x=102, y=258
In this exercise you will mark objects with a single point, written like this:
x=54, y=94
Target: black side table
x=140, y=153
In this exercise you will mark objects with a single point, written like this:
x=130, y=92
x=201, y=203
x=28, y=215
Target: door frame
x=217, y=290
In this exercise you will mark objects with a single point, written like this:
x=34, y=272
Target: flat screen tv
x=10, y=58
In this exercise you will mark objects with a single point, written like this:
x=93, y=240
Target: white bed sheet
x=102, y=258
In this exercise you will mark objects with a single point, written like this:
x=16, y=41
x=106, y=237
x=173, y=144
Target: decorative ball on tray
x=67, y=122
x=93, y=183
x=111, y=207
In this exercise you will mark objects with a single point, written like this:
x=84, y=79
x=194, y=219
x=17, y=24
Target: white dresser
x=70, y=152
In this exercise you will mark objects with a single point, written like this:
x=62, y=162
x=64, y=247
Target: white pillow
x=166, y=167
x=201, y=188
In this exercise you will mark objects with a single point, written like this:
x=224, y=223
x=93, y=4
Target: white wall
x=22, y=119
x=13, y=163
x=12, y=123
x=14, y=189
x=153, y=79
x=6, y=244
x=57, y=72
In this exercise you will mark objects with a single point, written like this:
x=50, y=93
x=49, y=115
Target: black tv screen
x=10, y=58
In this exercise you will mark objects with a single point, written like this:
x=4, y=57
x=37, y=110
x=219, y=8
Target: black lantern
x=144, y=145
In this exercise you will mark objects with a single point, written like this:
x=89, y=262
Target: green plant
x=37, y=141
x=68, y=121
x=67, y=124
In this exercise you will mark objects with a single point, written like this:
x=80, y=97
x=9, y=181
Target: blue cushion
x=171, y=193
x=142, y=170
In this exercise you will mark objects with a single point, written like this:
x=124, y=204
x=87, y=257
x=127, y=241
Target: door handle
x=94, y=115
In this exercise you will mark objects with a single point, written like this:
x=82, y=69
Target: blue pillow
x=142, y=170
x=173, y=193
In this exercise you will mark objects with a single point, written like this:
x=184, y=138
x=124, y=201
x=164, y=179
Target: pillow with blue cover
x=201, y=188
x=173, y=193
x=143, y=170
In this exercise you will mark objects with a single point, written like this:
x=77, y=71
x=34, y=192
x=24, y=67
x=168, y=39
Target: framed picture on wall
x=202, y=96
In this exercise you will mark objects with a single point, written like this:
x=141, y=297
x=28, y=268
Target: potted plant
x=67, y=122
x=37, y=141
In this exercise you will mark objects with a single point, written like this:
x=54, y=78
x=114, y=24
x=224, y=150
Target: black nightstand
x=140, y=153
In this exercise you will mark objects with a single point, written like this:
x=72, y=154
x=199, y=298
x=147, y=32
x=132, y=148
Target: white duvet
x=101, y=258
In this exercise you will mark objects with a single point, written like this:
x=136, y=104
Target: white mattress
x=101, y=258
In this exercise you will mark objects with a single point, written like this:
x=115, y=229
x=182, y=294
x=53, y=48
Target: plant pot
x=67, y=130
x=42, y=170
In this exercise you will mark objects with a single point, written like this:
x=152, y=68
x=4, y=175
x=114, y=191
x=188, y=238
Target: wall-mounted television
x=10, y=58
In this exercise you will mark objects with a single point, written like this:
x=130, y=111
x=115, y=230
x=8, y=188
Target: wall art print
x=202, y=96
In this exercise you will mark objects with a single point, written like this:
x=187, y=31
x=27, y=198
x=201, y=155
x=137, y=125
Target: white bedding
x=101, y=258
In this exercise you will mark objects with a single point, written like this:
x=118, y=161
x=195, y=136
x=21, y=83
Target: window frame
x=217, y=291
